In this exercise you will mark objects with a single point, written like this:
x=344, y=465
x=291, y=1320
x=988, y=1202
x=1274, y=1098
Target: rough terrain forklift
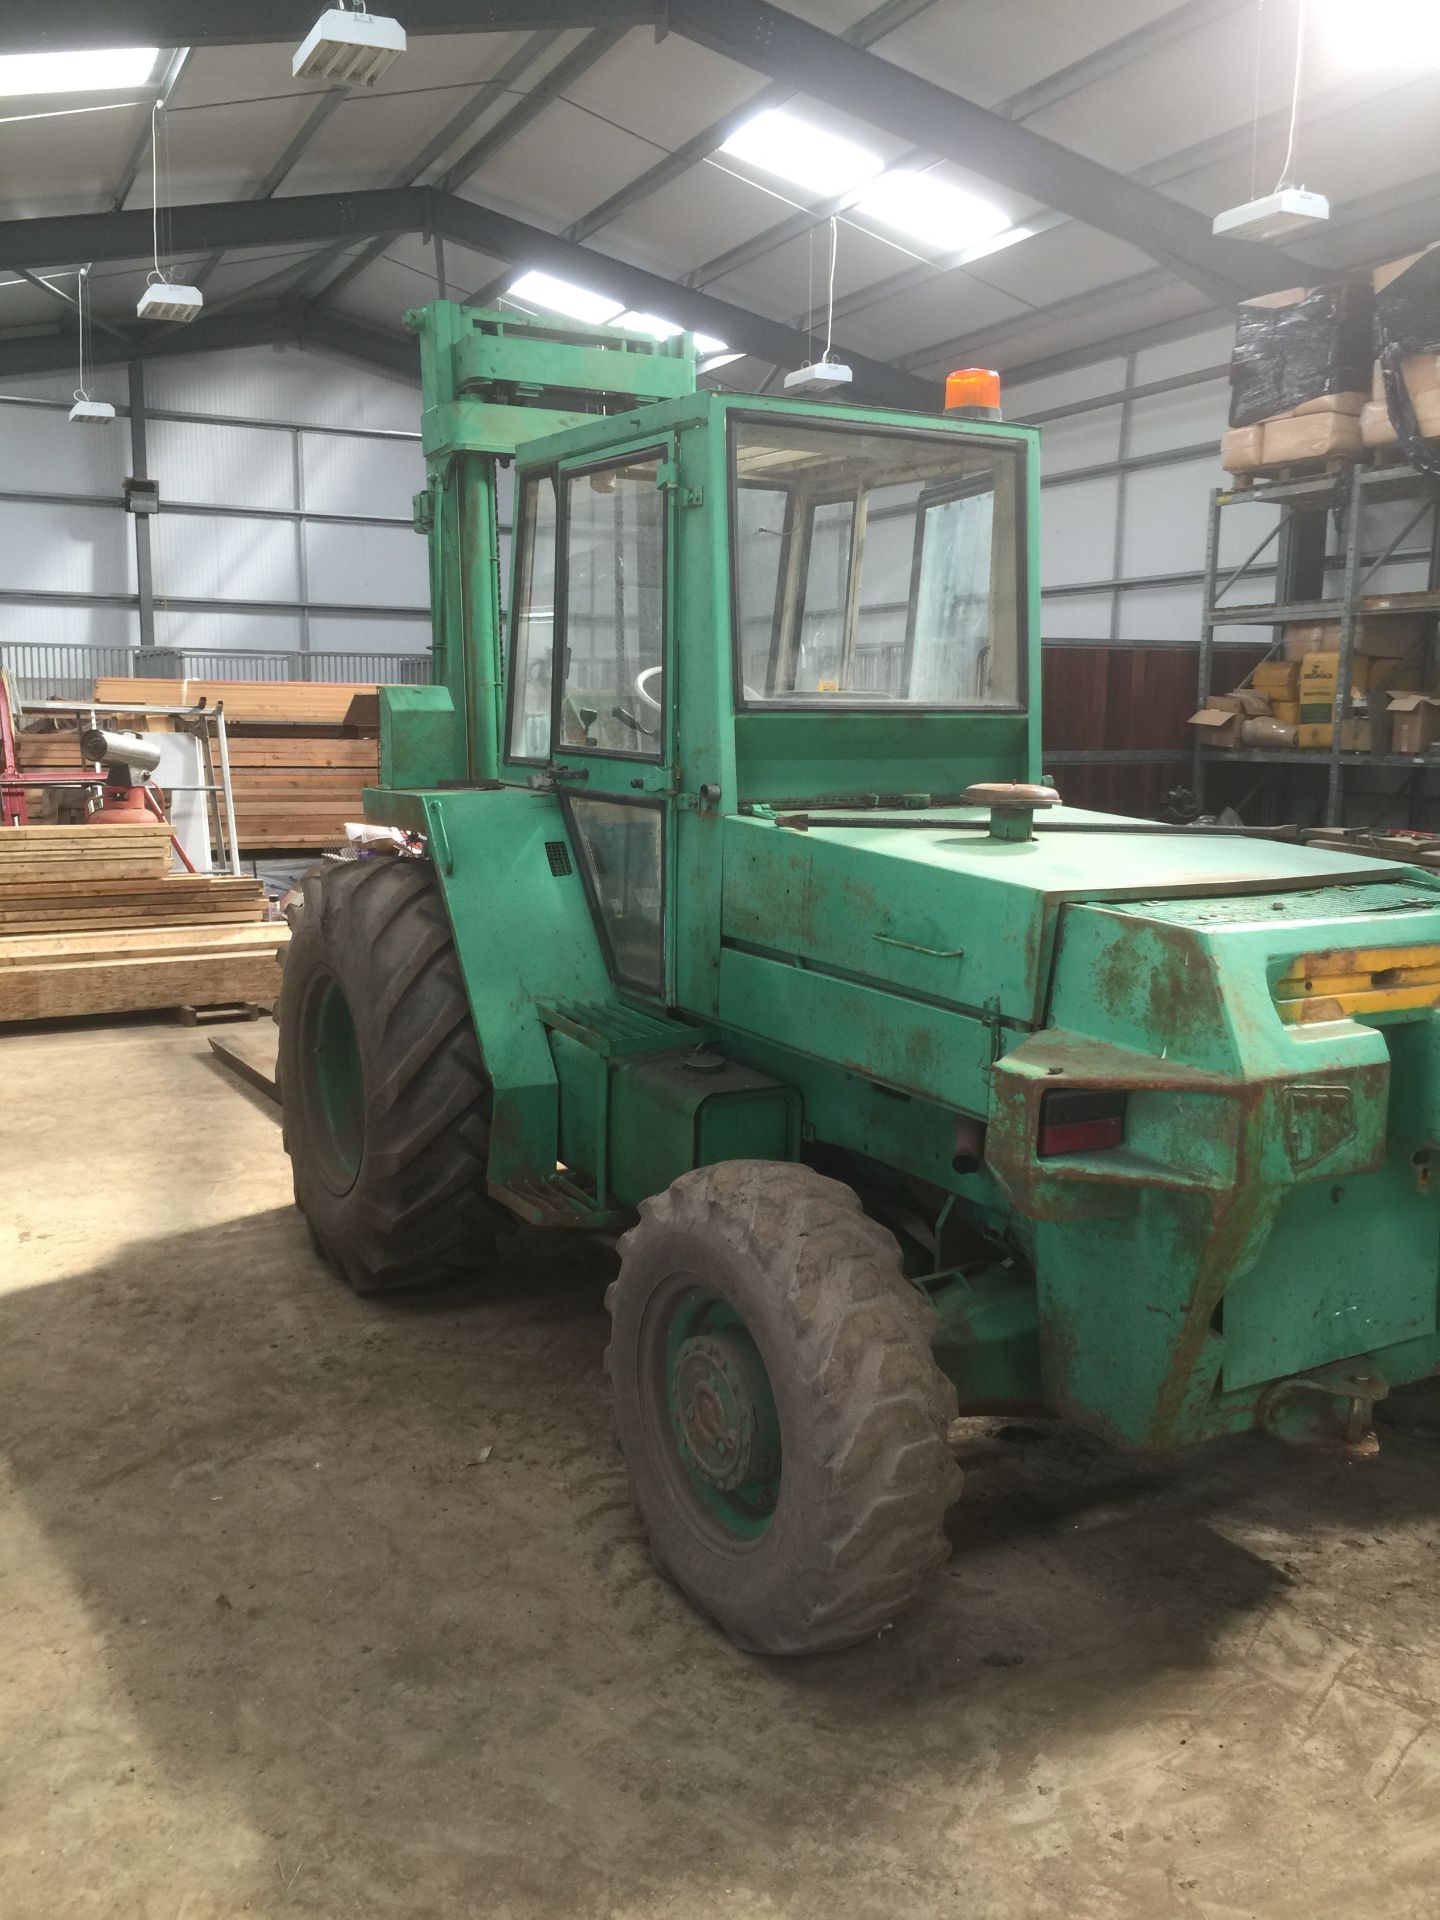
x=746, y=927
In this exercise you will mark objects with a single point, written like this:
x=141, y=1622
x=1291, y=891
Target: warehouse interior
x=330, y=1582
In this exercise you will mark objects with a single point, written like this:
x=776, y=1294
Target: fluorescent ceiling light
x=1382, y=33
x=104, y=72
x=667, y=329
x=349, y=49
x=944, y=217
x=778, y=142
x=563, y=296
x=168, y=300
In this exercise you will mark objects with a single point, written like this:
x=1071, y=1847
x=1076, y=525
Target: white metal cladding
x=377, y=477
x=75, y=550
x=1077, y=536
x=40, y=450
x=228, y=632
x=1076, y=616
x=209, y=465
x=366, y=566
x=49, y=625
x=368, y=633
x=252, y=571
x=284, y=383
x=209, y=557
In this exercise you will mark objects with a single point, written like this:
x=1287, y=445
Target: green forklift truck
x=734, y=917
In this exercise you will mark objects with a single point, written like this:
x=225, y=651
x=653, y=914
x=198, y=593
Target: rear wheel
x=385, y=1095
x=782, y=1417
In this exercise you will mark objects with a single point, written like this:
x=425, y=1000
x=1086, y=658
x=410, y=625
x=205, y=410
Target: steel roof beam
x=55, y=240
x=68, y=300
x=284, y=166
x=309, y=274
x=1110, y=59
x=293, y=326
x=526, y=109
x=1175, y=236
x=69, y=24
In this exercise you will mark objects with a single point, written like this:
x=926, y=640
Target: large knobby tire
x=384, y=1090
x=782, y=1417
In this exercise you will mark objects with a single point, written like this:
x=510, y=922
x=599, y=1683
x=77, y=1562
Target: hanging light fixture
x=87, y=412
x=164, y=298
x=351, y=48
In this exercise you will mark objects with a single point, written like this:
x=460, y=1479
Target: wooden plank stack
x=93, y=921
x=301, y=752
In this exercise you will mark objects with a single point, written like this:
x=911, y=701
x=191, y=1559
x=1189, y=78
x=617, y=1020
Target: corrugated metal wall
x=1130, y=453
x=285, y=480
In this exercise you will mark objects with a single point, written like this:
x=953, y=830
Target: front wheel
x=782, y=1417
x=383, y=1086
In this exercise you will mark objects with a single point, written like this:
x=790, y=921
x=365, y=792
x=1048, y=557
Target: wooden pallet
x=92, y=921
x=68, y=989
x=1287, y=472
x=303, y=703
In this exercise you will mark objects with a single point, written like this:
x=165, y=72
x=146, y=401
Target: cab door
x=612, y=722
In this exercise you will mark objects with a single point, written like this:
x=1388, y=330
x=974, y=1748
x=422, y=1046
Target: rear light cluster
x=1080, y=1121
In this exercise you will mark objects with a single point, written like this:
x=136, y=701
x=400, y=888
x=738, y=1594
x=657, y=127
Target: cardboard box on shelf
x=1393, y=636
x=1310, y=636
x=1320, y=680
x=1396, y=676
x=1287, y=712
x=1241, y=449
x=1377, y=430
x=1266, y=733
x=1312, y=734
x=1414, y=722
x=1350, y=403
x=1355, y=735
x=1249, y=701
x=1280, y=679
x=1321, y=436
x=1218, y=726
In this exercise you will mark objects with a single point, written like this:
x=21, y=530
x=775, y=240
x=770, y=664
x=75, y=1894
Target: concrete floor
x=277, y=1637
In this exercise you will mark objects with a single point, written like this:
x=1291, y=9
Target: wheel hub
x=722, y=1409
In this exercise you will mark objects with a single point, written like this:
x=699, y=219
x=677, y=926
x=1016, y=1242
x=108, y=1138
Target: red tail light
x=1080, y=1121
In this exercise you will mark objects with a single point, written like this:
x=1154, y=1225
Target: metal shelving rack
x=1304, y=564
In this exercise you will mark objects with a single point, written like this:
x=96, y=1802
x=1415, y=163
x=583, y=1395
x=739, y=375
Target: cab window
x=876, y=568
x=533, y=646
x=614, y=600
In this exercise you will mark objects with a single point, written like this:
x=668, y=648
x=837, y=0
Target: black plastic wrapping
x=1285, y=356
x=1407, y=320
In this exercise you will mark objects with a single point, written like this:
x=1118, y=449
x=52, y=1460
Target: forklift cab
x=758, y=583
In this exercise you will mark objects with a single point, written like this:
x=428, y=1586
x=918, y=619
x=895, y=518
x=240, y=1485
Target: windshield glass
x=875, y=567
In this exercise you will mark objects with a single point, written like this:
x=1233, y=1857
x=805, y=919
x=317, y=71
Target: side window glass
x=623, y=851
x=615, y=609
x=533, y=651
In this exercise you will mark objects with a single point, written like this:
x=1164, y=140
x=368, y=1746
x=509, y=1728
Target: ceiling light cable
x=155, y=192
x=1255, y=100
x=80, y=391
x=1300, y=12
x=830, y=310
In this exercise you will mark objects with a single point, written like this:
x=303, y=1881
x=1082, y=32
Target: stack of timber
x=301, y=752
x=93, y=921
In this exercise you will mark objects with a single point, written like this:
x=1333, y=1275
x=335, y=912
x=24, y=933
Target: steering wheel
x=648, y=699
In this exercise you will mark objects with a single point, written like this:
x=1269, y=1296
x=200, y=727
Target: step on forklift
x=746, y=928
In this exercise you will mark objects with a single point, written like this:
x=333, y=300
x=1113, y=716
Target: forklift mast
x=491, y=381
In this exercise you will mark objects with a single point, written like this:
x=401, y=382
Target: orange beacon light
x=973, y=393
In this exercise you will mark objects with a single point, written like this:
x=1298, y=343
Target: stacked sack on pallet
x=1293, y=701
x=1321, y=373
